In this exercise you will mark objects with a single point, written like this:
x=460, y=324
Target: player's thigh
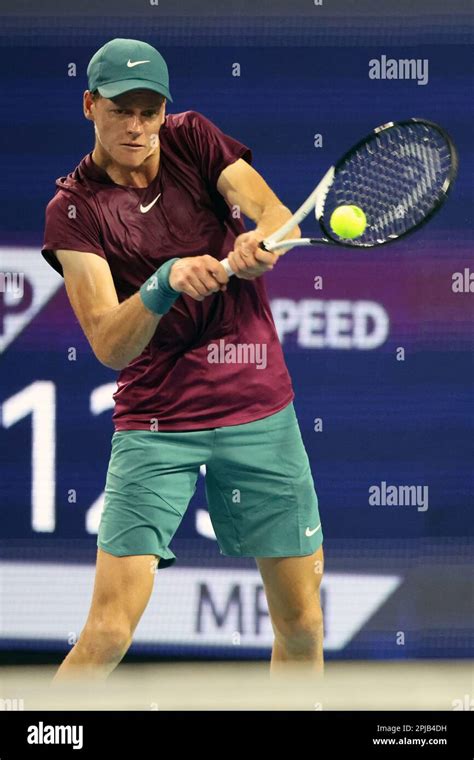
x=122, y=589
x=292, y=586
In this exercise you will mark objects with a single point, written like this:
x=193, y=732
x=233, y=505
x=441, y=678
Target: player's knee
x=106, y=639
x=300, y=631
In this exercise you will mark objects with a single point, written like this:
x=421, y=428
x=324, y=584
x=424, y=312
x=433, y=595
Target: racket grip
x=228, y=269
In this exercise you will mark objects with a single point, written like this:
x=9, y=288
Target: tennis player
x=137, y=230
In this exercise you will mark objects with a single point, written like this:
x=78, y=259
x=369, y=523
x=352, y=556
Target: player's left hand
x=248, y=260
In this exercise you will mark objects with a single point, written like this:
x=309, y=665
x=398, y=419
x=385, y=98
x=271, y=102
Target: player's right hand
x=198, y=276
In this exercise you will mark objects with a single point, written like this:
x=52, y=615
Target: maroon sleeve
x=71, y=224
x=214, y=149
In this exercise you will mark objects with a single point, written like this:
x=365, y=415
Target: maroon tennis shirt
x=210, y=363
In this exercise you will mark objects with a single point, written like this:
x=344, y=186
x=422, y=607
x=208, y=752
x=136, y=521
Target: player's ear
x=87, y=103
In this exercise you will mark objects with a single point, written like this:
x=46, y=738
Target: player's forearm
x=122, y=333
x=273, y=217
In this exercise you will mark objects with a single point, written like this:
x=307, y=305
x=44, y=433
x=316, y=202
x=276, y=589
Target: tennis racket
x=399, y=175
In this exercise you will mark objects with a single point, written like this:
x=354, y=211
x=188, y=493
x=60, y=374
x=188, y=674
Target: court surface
x=356, y=685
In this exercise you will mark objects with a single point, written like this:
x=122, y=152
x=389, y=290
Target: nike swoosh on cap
x=131, y=64
x=144, y=209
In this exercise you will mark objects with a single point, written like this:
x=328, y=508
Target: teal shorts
x=259, y=488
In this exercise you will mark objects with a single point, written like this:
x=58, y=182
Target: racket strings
x=397, y=177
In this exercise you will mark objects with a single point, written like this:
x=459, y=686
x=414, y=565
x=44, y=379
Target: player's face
x=127, y=127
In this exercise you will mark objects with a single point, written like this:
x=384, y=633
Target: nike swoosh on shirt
x=309, y=532
x=131, y=64
x=144, y=209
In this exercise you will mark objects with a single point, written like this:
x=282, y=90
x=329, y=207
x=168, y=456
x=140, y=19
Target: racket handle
x=228, y=269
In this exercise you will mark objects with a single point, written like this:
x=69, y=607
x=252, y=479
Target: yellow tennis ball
x=348, y=222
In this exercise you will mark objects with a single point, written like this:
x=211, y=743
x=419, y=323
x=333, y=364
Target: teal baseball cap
x=122, y=65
